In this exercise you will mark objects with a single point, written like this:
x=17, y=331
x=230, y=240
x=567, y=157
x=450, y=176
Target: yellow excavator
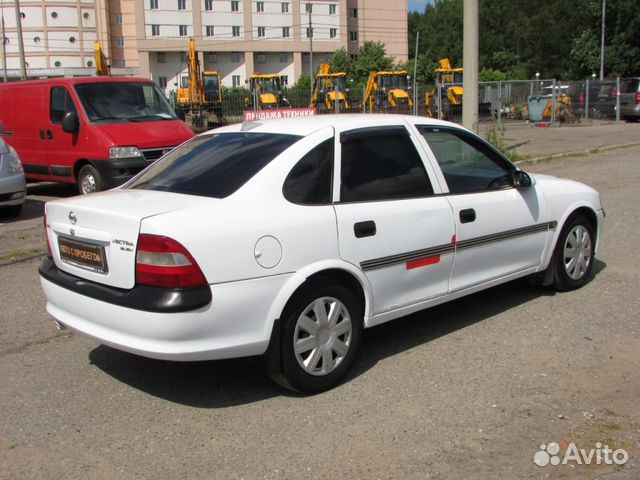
x=329, y=89
x=102, y=66
x=265, y=92
x=451, y=104
x=200, y=95
x=387, y=91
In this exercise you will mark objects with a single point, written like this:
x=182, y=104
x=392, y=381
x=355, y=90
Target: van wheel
x=320, y=338
x=89, y=180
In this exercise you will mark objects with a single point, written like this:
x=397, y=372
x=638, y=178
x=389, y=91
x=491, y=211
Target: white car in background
x=13, y=190
x=287, y=238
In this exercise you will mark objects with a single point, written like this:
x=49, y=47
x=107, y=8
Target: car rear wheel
x=89, y=180
x=574, y=254
x=320, y=338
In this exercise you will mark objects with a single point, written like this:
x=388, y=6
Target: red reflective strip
x=423, y=262
x=453, y=239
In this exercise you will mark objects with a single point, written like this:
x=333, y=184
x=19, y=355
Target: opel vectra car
x=286, y=238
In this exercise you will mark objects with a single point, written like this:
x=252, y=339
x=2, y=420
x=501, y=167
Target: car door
x=391, y=223
x=61, y=145
x=500, y=230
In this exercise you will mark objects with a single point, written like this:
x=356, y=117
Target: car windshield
x=267, y=85
x=394, y=81
x=211, y=87
x=213, y=165
x=111, y=102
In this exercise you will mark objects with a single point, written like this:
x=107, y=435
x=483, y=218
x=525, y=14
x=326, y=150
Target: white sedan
x=286, y=238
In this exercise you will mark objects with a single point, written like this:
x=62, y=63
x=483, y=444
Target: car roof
x=304, y=126
x=76, y=80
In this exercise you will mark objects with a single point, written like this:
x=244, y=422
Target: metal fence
x=535, y=101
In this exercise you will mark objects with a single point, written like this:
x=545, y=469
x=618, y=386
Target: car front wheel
x=574, y=254
x=320, y=338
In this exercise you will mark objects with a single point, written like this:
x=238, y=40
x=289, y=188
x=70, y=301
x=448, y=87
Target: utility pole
x=310, y=49
x=23, y=67
x=470, y=64
x=415, y=73
x=604, y=14
x=4, y=52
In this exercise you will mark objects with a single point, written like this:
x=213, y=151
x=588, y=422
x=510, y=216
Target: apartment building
x=236, y=37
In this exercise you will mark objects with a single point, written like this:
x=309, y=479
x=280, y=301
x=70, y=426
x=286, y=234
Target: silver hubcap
x=88, y=184
x=577, y=252
x=322, y=336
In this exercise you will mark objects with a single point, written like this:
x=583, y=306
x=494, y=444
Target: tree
x=340, y=61
x=371, y=57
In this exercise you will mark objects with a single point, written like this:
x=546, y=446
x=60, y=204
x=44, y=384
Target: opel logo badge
x=72, y=218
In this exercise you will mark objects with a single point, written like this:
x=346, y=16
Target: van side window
x=61, y=103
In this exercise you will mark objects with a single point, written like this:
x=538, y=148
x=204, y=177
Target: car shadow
x=224, y=383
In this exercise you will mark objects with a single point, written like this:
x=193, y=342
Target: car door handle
x=49, y=134
x=41, y=134
x=468, y=215
x=365, y=229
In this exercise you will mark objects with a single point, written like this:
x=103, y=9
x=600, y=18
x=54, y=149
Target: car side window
x=381, y=164
x=310, y=180
x=61, y=103
x=467, y=163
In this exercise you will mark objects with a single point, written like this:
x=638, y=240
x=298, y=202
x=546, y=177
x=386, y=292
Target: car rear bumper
x=234, y=324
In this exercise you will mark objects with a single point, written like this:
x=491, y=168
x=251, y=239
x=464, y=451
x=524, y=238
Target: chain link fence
x=544, y=101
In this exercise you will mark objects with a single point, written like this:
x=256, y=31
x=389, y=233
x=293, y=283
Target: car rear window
x=629, y=85
x=214, y=165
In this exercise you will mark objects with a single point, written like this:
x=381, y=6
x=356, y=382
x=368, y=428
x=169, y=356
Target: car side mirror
x=522, y=179
x=70, y=122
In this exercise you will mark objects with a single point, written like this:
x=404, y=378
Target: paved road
x=465, y=390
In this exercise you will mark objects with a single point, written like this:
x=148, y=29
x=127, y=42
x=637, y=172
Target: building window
x=353, y=13
x=309, y=32
x=54, y=14
x=89, y=63
x=182, y=4
x=73, y=40
x=353, y=36
x=332, y=9
x=117, y=19
x=285, y=32
x=235, y=57
x=183, y=57
x=155, y=30
x=162, y=82
x=183, y=30
x=208, y=5
x=262, y=31
x=212, y=57
x=161, y=57
x=261, y=58
x=333, y=32
x=57, y=64
x=120, y=64
x=284, y=58
x=35, y=40
x=285, y=7
x=308, y=8
x=306, y=58
x=209, y=30
x=235, y=31
x=120, y=42
x=235, y=6
x=284, y=79
x=236, y=80
x=260, y=7
x=153, y=4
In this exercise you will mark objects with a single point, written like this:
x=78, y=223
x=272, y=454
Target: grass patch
x=18, y=255
x=495, y=136
x=610, y=413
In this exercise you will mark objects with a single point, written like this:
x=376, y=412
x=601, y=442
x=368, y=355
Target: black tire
x=299, y=378
x=572, y=271
x=11, y=211
x=89, y=180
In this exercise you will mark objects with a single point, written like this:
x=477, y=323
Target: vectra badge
x=72, y=218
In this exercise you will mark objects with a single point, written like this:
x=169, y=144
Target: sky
x=418, y=5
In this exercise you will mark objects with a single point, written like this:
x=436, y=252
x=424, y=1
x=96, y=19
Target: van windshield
x=111, y=102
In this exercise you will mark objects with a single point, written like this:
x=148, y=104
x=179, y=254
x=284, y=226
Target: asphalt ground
x=471, y=389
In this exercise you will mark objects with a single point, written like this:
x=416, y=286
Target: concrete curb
x=579, y=152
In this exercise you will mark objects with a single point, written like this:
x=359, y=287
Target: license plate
x=82, y=254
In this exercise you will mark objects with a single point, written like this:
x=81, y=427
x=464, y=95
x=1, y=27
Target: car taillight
x=163, y=262
x=614, y=92
x=46, y=236
x=637, y=98
x=581, y=98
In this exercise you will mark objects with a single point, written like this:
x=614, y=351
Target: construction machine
x=564, y=111
x=200, y=94
x=387, y=91
x=265, y=92
x=102, y=66
x=452, y=91
x=329, y=89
